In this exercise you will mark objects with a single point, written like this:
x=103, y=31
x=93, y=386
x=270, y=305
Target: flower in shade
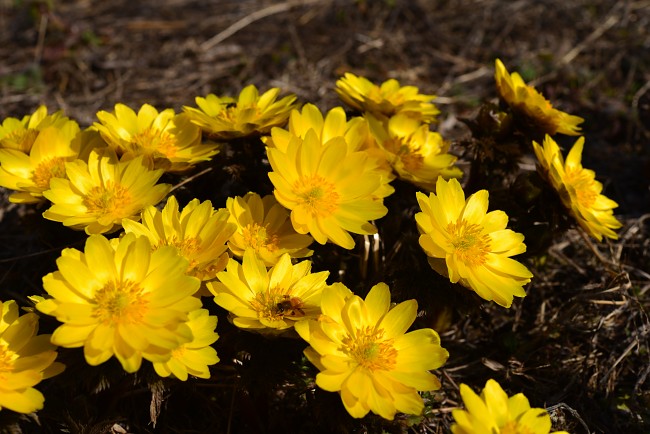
x=263, y=225
x=329, y=190
x=578, y=188
x=417, y=154
x=98, y=195
x=470, y=245
x=495, y=413
x=167, y=140
x=387, y=99
x=29, y=173
x=198, y=232
x=268, y=301
x=20, y=134
x=249, y=114
x=194, y=357
x=363, y=352
x=121, y=300
x=526, y=101
x=25, y=359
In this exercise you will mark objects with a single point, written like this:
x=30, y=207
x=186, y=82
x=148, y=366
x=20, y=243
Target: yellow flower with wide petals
x=470, y=245
x=121, y=300
x=167, y=140
x=334, y=125
x=329, y=190
x=495, y=413
x=264, y=226
x=387, y=99
x=363, y=352
x=194, y=357
x=29, y=174
x=249, y=114
x=198, y=232
x=417, y=154
x=98, y=195
x=578, y=188
x=25, y=359
x=268, y=301
x=527, y=101
x=20, y=134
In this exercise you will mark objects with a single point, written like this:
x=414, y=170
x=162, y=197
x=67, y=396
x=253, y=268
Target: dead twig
x=251, y=18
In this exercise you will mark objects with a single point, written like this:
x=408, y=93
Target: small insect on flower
x=290, y=306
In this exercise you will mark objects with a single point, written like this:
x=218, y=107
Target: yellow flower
x=528, y=102
x=21, y=134
x=264, y=226
x=98, y=195
x=329, y=190
x=194, y=357
x=25, y=359
x=387, y=99
x=249, y=114
x=334, y=125
x=198, y=232
x=578, y=188
x=470, y=245
x=122, y=300
x=495, y=413
x=362, y=351
x=268, y=301
x=29, y=173
x=417, y=154
x=167, y=140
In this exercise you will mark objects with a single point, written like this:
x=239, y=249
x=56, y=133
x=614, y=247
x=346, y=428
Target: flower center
x=513, y=427
x=583, y=185
x=154, y=141
x=7, y=359
x=257, y=237
x=21, y=139
x=468, y=242
x=109, y=199
x=52, y=168
x=187, y=248
x=367, y=347
x=317, y=195
x=120, y=302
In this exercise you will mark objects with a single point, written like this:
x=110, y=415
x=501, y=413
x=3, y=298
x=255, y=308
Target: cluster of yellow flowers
x=138, y=295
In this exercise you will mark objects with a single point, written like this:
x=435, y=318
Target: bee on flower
x=29, y=173
x=387, y=99
x=20, y=134
x=532, y=106
x=98, y=195
x=264, y=226
x=578, y=189
x=248, y=114
x=121, y=299
x=26, y=358
x=363, y=352
x=470, y=245
x=268, y=301
x=495, y=412
x=166, y=140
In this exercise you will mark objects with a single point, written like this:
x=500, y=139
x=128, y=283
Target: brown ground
x=577, y=344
